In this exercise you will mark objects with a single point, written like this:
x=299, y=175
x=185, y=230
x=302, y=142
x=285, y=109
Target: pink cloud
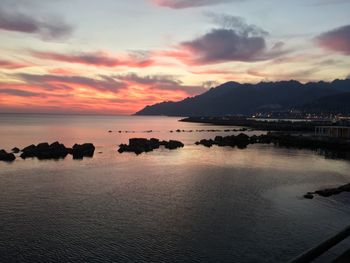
x=7, y=64
x=119, y=94
x=337, y=40
x=180, y=4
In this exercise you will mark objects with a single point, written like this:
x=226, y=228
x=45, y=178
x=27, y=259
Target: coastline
x=280, y=125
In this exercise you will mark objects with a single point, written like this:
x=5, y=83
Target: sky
x=117, y=56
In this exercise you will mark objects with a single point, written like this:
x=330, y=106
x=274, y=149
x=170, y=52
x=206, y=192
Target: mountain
x=234, y=98
x=339, y=103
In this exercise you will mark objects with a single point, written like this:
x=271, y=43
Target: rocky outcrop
x=79, y=151
x=15, y=150
x=45, y=151
x=140, y=145
x=329, y=191
x=172, y=144
x=309, y=196
x=241, y=141
x=56, y=150
x=7, y=157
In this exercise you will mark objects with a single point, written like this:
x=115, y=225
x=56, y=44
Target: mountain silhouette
x=233, y=98
x=339, y=103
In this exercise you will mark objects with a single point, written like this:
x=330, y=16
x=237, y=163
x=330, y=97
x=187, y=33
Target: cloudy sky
x=117, y=56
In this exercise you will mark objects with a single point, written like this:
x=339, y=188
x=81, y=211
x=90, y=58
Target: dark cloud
x=18, y=92
x=180, y=4
x=337, y=40
x=236, y=23
x=149, y=80
x=220, y=45
x=235, y=40
x=109, y=83
x=161, y=82
x=54, y=81
x=97, y=59
x=49, y=28
x=210, y=84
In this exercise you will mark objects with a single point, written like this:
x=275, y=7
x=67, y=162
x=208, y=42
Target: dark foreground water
x=189, y=205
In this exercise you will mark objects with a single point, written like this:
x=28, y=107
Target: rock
x=172, y=144
x=333, y=191
x=328, y=192
x=308, y=196
x=7, y=157
x=253, y=139
x=242, y=140
x=206, y=143
x=140, y=145
x=45, y=151
x=42, y=146
x=83, y=150
x=154, y=143
x=58, y=150
x=29, y=151
x=15, y=150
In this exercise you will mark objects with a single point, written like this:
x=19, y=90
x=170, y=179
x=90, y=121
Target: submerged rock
x=7, y=157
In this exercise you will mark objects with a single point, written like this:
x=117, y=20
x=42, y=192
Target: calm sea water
x=188, y=205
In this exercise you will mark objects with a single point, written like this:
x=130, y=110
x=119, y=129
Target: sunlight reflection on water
x=189, y=205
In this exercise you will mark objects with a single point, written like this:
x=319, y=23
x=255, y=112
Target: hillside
x=234, y=98
x=330, y=104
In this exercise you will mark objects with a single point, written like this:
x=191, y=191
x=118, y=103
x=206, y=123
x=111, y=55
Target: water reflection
x=189, y=205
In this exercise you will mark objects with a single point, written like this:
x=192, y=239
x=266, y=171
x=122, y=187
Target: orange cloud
x=119, y=94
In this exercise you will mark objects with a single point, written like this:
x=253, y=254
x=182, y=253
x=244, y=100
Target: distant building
x=333, y=131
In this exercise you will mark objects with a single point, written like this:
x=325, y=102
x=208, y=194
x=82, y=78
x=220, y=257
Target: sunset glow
x=116, y=57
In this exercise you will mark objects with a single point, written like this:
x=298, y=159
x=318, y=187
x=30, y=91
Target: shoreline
x=264, y=125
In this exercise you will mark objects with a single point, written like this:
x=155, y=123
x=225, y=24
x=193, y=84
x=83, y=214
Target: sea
x=193, y=204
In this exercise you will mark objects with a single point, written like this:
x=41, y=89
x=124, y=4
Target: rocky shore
x=140, y=145
x=46, y=151
x=280, y=139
